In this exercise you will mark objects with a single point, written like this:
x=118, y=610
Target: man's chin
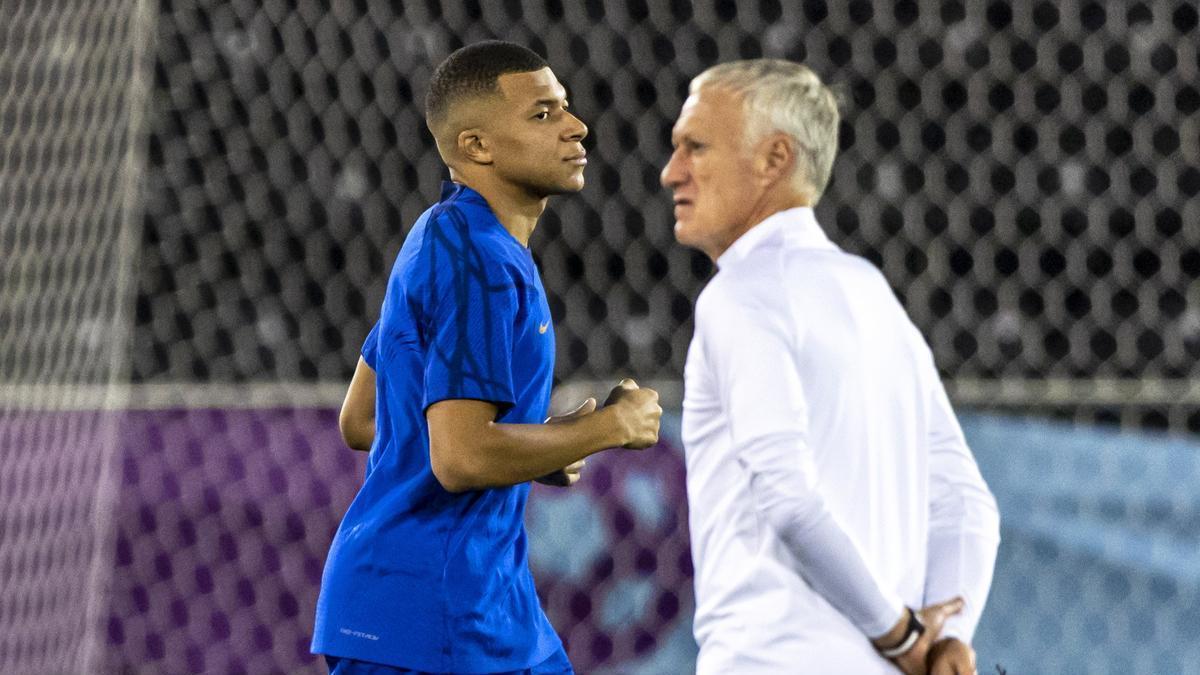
x=683, y=234
x=564, y=188
x=574, y=184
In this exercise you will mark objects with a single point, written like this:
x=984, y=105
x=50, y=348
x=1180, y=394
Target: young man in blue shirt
x=428, y=570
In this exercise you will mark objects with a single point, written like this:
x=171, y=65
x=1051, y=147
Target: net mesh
x=1022, y=173
x=70, y=101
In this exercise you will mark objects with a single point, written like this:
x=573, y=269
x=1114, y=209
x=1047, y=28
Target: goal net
x=200, y=201
x=72, y=93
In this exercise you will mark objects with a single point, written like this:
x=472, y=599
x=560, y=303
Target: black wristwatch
x=912, y=633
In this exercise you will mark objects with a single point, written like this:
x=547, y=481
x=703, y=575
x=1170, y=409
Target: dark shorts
x=557, y=664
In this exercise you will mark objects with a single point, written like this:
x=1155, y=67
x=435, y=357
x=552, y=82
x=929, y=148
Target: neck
x=516, y=208
x=767, y=205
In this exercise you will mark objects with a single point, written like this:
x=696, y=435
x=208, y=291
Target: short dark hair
x=473, y=70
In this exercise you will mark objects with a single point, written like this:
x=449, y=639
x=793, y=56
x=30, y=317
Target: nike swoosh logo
x=542, y=328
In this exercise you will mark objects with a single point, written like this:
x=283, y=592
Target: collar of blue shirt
x=461, y=191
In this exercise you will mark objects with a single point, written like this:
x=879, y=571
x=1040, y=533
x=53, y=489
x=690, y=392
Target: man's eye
x=542, y=115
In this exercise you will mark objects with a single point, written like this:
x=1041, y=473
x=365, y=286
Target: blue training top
x=419, y=577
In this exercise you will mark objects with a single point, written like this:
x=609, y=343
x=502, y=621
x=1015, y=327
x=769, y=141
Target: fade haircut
x=783, y=96
x=473, y=71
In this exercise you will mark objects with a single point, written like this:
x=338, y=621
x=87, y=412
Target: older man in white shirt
x=829, y=484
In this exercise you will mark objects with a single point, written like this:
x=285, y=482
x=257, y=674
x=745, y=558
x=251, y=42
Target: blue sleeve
x=370, y=348
x=470, y=309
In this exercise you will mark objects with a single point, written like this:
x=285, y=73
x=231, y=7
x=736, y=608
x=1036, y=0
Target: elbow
x=358, y=434
x=361, y=443
x=794, y=517
x=346, y=426
x=791, y=513
x=454, y=475
x=972, y=512
x=462, y=454
x=450, y=480
x=784, y=491
x=993, y=519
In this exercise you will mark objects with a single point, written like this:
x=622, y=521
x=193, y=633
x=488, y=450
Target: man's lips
x=580, y=159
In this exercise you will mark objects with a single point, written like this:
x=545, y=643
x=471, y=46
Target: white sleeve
x=751, y=349
x=964, y=523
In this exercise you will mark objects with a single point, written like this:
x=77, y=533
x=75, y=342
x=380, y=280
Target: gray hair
x=779, y=95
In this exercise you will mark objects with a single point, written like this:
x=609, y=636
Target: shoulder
x=715, y=299
x=862, y=266
x=459, y=226
x=449, y=259
x=868, y=282
x=743, y=301
x=455, y=239
x=833, y=263
x=752, y=286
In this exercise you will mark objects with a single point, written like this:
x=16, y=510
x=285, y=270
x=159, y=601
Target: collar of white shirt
x=795, y=228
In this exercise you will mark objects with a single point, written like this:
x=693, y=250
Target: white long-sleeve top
x=829, y=483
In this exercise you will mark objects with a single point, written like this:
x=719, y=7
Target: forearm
x=785, y=495
x=508, y=454
x=964, y=524
x=835, y=568
x=962, y=555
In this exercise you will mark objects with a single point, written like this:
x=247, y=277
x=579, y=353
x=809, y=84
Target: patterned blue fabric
x=419, y=577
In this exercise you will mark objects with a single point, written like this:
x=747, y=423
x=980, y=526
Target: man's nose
x=577, y=130
x=672, y=175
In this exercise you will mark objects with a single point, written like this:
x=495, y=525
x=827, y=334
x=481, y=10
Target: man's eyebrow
x=550, y=101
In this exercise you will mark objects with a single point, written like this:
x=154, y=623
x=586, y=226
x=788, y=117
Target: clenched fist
x=637, y=413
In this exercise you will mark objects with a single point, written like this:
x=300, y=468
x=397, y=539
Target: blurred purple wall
x=225, y=516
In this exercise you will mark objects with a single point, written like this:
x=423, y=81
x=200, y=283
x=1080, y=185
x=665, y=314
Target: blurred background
x=200, y=202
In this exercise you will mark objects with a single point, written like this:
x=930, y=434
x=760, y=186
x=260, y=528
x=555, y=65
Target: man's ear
x=775, y=158
x=473, y=145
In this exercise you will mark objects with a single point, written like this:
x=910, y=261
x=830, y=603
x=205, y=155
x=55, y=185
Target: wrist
x=895, y=634
x=892, y=646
